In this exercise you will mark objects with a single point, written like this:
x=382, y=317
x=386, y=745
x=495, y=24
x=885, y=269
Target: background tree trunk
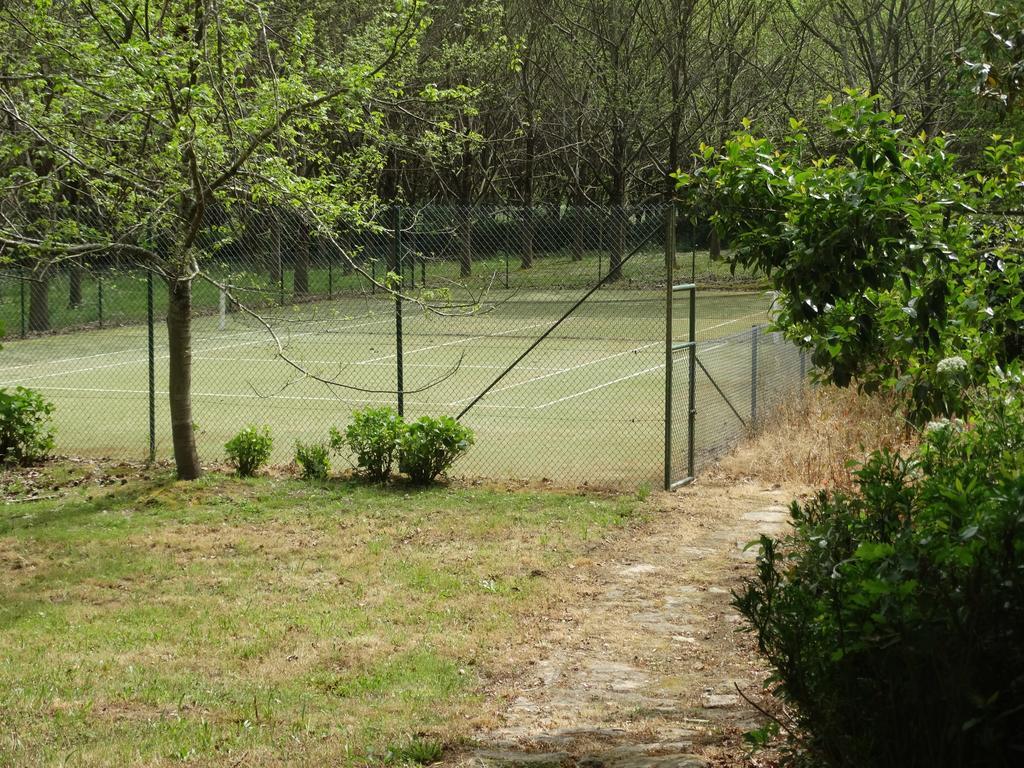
x=714, y=245
x=465, y=241
x=274, y=258
x=39, y=304
x=347, y=242
x=75, y=286
x=179, y=343
x=300, y=283
x=618, y=245
x=526, y=234
x=580, y=222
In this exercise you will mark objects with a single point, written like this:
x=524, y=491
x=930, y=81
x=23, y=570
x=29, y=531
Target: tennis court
x=587, y=405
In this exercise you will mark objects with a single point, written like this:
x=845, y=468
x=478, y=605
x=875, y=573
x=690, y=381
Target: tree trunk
x=714, y=245
x=347, y=242
x=275, y=256
x=526, y=236
x=75, y=286
x=179, y=343
x=618, y=244
x=580, y=220
x=618, y=204
x=300, y=284
x=465, y=241
x=39, y=304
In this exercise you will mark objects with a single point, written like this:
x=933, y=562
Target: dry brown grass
x=818, y=437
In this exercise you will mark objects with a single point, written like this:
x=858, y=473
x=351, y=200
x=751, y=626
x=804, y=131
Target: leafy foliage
x=999, y=69
x=314, y=460
x=249, y=450
x=429, y=446
x=887, y=256
x=26, y=434
x=894, y=616
x=423, y=449
x=373, y=436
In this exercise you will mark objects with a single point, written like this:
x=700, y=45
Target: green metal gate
x=680, y=373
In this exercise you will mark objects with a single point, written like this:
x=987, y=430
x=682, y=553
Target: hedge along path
x=638, y=666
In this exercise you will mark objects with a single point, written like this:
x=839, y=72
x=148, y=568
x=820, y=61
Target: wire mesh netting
x=542, y=328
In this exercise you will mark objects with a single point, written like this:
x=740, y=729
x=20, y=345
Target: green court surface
x=586, y=406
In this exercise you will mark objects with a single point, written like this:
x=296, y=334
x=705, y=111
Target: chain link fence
x=543, y=329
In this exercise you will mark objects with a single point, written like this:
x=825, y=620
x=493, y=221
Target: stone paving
x=644, y=672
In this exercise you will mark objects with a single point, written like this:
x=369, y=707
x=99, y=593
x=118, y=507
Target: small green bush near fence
x=894, y=616
x=313, y=460
x=423, y=449
x=429, y=446
x=26, y=434
x=373, y=438
x=249, y=450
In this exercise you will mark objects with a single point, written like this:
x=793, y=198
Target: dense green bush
x=313, y=459
x=373, y=436
x=249, y=450
x=880, y=260
x=429, y=446
x=423, y=449
x=894, y=616
x=26, y=434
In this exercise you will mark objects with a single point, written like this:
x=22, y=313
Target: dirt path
x=639, y=668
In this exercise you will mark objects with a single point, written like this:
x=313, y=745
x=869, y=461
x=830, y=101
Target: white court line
x=197, y=354
x=163, y=346
x=261, y=331
x=263, y=339
x=247, y=396
x=445, y=366
x=609, y=383
x=451, y=343
x=102, y=354
x=560, y=371
x=313, y=398
x=730, y=322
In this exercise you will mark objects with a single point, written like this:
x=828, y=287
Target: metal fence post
x=803, y=365
x=691, y=419
x=99, y=296
x=399, y=367
x=330, y=276
x=754, y=333
x=152, y=367
x=669, y=279
x=21, y=288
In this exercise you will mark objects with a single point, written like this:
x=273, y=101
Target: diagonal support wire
x=720, y=392
x=555, y=326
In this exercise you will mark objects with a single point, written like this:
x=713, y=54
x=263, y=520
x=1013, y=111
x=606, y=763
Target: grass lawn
x=265, y=622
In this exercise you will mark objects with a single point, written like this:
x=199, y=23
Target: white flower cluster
x=950, y=365
x=940, y=424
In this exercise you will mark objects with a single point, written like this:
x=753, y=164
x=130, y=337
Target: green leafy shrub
x=429, y=446
x=26, y=434
x=872, y=240
x=249, y=450
x=373, y=436
x=313, y=459
x=894, y=615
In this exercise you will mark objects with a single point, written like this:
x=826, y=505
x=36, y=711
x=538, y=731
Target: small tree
x=126, y=125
